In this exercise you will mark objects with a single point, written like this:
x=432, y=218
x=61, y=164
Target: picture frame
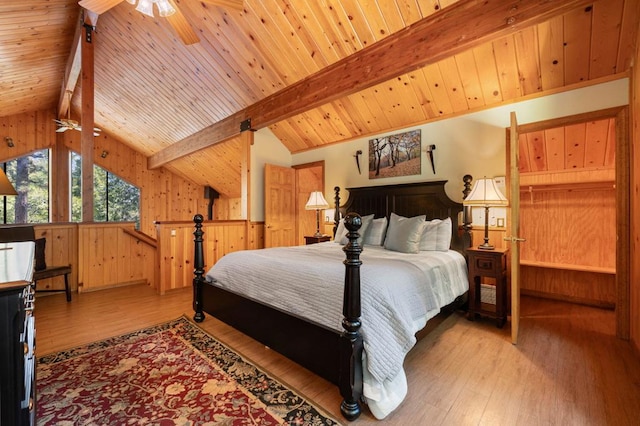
x=395, y=155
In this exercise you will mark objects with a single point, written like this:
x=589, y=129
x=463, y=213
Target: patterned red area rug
x=169, y=374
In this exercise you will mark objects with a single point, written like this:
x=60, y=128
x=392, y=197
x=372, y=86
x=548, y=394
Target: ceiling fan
x=166, y=8
x=65, y=124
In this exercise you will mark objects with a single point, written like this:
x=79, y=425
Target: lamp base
x=486, y=247
x=318, y=234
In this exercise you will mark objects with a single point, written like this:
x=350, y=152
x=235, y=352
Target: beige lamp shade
x=485, y=193
x=5, y=186
x=316, y=201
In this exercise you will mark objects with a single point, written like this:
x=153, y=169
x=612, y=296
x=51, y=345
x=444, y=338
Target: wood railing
x=111, y=254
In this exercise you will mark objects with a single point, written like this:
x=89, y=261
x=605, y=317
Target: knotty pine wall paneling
x=635, y=201
x=175, y=248
x=109, y=257
x=61, y=249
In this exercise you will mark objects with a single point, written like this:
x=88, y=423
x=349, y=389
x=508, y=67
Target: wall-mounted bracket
x=246, y=125
x=89, y=32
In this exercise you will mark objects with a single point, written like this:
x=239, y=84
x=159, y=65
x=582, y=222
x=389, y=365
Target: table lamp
x=317, y=202
x=485, y=194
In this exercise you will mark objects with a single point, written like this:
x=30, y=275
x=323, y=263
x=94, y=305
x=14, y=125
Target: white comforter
x=399, y=293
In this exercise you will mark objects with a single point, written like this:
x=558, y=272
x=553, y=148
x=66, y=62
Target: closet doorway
x=574, y=210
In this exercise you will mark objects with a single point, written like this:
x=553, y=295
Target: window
x=114, y=200
x=30, y=176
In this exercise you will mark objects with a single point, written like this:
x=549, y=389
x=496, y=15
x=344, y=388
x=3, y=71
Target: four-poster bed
x=335, y=354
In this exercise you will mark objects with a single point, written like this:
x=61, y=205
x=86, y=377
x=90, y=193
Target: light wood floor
x=568, y=368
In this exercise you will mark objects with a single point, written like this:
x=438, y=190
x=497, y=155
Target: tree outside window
x=30, y=176
x=115, y=200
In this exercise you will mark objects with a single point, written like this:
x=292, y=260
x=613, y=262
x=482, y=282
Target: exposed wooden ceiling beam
x=461, y=26
x=72, y=70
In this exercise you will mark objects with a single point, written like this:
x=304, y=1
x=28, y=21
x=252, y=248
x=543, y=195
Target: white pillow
x=376, y=232
x=436, y=235
x=403, y=234
x=340, y=232
x=342, y=238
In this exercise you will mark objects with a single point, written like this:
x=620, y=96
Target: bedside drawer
x=484, y=264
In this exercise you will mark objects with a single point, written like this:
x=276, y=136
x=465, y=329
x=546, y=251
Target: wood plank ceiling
x=152, y=91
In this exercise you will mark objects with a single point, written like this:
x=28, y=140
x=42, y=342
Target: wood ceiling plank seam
x=628, y=34
x=228, y=32
x=526, y=43
x=524, y=161
x=610, y=155
x=270, y=37
x=206, y=53
x=303, y=35
x=574, y=146
x=596, y=143
x=555, y=146
x=315, y=30
x=505, y=54
x=310, y=123
x=550, y=43
x=179, y=69
x=605, y=24
x=451, y=79
x=407, y=99
x=299, y=44
x=336, y=40
x=390, y=12
x=438, y=90
x=537, y=153
x=362, y=33
x=287, y=135
x=410, y=11
x=421, y=89
x=488, y=73
x=305, y=130
x=332, y=120
x=185, y=100
x=469, y=78
x=365, y=101
x=428, y=7
x=349, y=113
x=375, y=22
x=379, y=98
x=577, y=46
x=341, y=22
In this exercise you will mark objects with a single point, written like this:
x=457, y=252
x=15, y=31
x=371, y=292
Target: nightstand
x=310, y=239
x=488, y=284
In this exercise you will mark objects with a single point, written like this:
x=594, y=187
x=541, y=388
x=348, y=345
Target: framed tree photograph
x=395, y=155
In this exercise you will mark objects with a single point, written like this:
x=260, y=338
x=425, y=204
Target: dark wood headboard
x=410, y=199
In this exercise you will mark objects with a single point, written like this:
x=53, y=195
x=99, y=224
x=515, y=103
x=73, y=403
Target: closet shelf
x=568, y=266
x=568, y=186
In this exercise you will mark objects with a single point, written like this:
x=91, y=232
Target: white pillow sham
x=436, y=235
x=342, y=231
x=376, y=232
x=403, y=234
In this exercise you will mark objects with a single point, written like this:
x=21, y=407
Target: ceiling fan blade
x=99, y=6
x=62, y=129
x=233, y=4
x=182, y=26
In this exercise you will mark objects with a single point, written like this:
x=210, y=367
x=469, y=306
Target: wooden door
x=279, y=206
x=514, y=228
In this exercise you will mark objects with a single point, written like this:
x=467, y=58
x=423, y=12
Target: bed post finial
x=198, y=268
x=466, y=213
x=336, y=213
x=351, y=345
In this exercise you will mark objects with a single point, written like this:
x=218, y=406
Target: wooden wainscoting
x=61, y=249
x=109, y=257
x=175, y=247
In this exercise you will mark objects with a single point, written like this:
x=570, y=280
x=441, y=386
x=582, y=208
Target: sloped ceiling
x=152, y=91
